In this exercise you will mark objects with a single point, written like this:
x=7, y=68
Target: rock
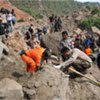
x=3, y=49
x=78, y=18
x=10, y=90
x=37, y=84
x=29, y=92
x=54, y=57
x=50, y=85
x=9, y=59
x=16, y=41
x=96, y=30
x=2, y=45
x=78, y=31
x=52, y=41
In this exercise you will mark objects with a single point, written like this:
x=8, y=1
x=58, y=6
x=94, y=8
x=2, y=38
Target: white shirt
x=77, y=54
x=66, y=43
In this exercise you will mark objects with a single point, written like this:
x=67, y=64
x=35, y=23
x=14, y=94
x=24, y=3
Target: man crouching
x=76, y=58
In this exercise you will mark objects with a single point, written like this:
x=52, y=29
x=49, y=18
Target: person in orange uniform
x=33, y=57
x=88, y=51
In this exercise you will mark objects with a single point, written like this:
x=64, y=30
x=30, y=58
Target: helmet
x=22, y=52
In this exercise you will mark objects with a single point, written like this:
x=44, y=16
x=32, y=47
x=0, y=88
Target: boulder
x=48, y=84
x=10, y=90
x=96, y=30
x=52, y=84
x=16, y=41
x=3, y=49
x=78, y=31
x=52, y=41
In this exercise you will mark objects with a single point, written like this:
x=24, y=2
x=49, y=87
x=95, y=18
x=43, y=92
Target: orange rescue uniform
x=88, y=51
x=33, y=58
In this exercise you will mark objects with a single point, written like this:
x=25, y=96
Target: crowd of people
x=76, y=51
x=86, y=43
x=7, y=21
x=55, y=23
x=31, y=34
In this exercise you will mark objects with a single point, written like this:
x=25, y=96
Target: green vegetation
x=89, y=22
x=58, y=7
x=20, y=20
x=95, y=11
x=29, y=6
x=39, y=8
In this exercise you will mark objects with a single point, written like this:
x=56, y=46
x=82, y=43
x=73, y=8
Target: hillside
x=20, y=14
x=38, y=8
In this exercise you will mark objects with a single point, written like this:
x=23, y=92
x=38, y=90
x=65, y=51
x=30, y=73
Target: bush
x=39, y=16
x=36, y=15
x=97, y=22
x=89, y=22
x=21, y=20
x=95, y=11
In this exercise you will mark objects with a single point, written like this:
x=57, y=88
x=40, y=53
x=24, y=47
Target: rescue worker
x=33, y=57
x=76, y=58
x=88, y=51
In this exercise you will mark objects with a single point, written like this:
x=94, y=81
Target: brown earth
x=20, y=14
x=48, y=83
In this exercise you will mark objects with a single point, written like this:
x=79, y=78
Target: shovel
x=75, y=71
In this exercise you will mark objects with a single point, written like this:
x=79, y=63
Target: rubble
x=10, y=90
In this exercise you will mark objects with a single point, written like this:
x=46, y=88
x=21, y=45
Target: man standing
x=65, y=42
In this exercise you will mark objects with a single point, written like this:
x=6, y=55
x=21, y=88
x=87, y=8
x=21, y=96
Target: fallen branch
x=73, y=70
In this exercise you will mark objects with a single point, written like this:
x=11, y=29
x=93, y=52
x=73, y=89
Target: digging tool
x=75, y=71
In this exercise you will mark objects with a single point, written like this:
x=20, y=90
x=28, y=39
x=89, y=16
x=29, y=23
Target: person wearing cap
x=33, y=57
x=65, y=42
x=76, y=58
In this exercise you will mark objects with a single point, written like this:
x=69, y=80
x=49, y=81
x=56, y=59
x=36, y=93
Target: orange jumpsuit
x=33, y=58
x=88, y=51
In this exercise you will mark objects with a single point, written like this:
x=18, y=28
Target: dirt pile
x=20, y=14
x=52, y=41
x=16, y=42
x=71, y=21
x=48, y=83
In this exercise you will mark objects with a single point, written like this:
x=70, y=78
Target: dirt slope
x=20, y=14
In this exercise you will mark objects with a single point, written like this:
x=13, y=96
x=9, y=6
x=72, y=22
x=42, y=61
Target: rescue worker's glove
x=22, y=52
